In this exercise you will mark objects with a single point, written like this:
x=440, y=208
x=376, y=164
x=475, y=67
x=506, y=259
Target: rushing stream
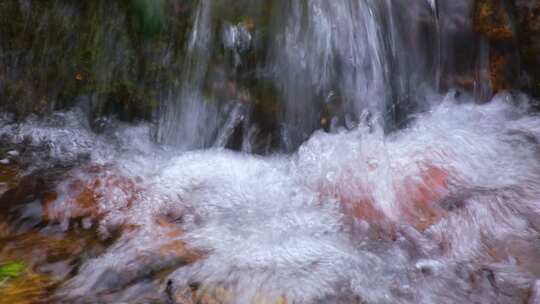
x=405, y=194
x=341, y=57
x=445, y=211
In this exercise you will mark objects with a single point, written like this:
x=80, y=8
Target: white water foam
x=275, y=227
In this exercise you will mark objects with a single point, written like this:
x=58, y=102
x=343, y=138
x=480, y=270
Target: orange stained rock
x=82, y=196
x=47, y=199
x=38, y=249
x=175, y=246
x=417, y=199
x=219, y=295
x=492, y=20
x=364, y=210
x=4, y=229
x=498, y=72
x=8, y=177
x=79, y=201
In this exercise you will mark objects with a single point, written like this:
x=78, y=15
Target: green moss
x=11, y=270
x=150, y=16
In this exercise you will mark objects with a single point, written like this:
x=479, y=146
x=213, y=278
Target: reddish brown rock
x=528, y=22
x=495, y=21
x=175, y=247
x=80, y=195
x=512, y=29
x=417, y=199
x=8, y=177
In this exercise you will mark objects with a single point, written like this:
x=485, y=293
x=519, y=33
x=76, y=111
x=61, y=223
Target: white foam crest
x=274, y=226
x=476, y=144
x=63, y=133
x=67, y=137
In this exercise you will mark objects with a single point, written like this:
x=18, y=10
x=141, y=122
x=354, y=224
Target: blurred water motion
x=256, y=151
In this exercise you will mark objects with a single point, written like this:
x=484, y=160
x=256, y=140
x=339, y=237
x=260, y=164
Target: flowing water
x=409, y=196
x=286, y=226
x=340, y=58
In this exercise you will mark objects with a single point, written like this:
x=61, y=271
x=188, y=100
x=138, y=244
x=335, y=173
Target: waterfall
x=327, y=61
x=189, y=119
x=295, y=151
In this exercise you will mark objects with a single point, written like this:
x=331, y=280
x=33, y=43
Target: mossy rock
x=11, y=270
x=23, y=285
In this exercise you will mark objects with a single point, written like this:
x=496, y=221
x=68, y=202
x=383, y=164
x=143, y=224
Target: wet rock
x=419, y=201
x=22, y=192
x=88, y=195
x=512, y=29
x=55, y=51
x=46, y=249
x=495, y=21
x=28, y=216
x=81, y=196
x=420, y=198
x=528, y=20
x=218, y=295
x=8, y=178
x=29, y=288
x=50, y=255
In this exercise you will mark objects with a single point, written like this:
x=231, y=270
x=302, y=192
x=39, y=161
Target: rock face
x=494, y=21
x=123, y=57
x=512, y=29
x=53, y=53
x=528, y=20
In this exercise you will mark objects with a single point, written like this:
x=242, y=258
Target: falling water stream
x=410, y=191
